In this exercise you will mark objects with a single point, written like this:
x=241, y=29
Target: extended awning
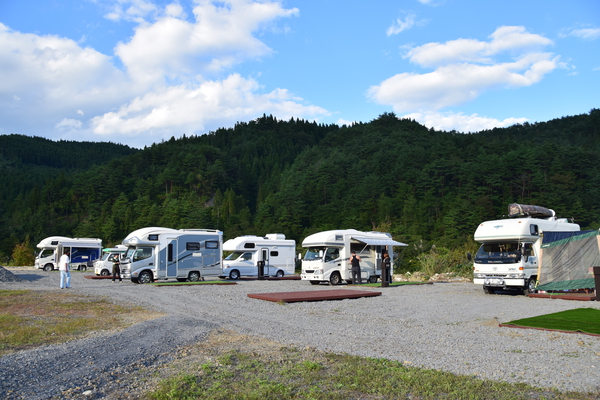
x=377, y=241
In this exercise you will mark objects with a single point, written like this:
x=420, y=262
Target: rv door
x=264, y=256
x=172, y=260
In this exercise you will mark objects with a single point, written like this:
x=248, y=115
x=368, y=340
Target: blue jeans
x=65, y=277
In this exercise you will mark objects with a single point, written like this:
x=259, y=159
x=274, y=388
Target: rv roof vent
x=275, y=236
x=249, y=245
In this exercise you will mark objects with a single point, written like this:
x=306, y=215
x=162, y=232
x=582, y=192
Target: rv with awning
x=328, y=252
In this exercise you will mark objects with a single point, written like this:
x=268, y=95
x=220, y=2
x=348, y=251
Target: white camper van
x=83, y=252
x=326, y=259
x=510, y=248
x=277, y=252
x=104, y=265
x=162, y=253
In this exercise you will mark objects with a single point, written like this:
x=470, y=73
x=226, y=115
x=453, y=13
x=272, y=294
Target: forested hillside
x=296, y=177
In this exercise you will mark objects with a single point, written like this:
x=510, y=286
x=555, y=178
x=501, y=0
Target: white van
x=104, y=265
x=277, y=252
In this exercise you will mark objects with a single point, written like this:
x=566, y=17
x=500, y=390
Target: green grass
x=578, y=320
x=308, y=374
x=34, y=318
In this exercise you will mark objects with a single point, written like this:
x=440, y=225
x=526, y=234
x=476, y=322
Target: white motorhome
x=277, y=252
x=156, y=253
x=83, y=252
x=510, y=248
x=327, y=255
x=104, y=265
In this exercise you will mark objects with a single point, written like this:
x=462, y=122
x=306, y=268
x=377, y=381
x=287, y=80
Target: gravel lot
x=447, y=326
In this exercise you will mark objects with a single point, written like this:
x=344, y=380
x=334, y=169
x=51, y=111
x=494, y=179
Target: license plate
x=494, y=281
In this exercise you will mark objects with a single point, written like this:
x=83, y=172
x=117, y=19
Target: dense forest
x=428, y=188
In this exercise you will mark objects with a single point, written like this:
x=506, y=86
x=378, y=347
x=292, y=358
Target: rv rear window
x=192, y=246
x=153, y=237
x=211, y=244
x=274, y=253
x=249, y=245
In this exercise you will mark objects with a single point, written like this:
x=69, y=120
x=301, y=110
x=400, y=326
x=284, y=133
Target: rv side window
x=192, y=246
x=249, y=245
x=339, y=237
x=533, y=230
x=170, y=252
x=211, y=244
x=528, y=250
x=274, y=253
x=46, y=253
x=153, y=237
x=247, y=257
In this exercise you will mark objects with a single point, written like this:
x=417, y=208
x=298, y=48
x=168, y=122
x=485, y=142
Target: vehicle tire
x=314, y=282
x=530, y=287
x=489, y=290
x=194, y=276
x=145, y=277
x=105, y=272
x=234, y=274
x=48, y=267
x=373, y=279
x=335, y=279
x=83, y=267
x=279, y=274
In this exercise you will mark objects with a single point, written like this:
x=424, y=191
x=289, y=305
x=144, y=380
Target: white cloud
x=191, y=110
x=401, y=25
x=466, y=68
x=585, y=33
x=505, y=39
x=177, y=76
x=460, y=122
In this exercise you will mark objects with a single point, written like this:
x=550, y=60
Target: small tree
x=23, y=254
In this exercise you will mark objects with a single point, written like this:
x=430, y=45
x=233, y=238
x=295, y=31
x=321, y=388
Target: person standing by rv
x=355, y=262
x=63, y=267
x=116, y=268
x=386, y=264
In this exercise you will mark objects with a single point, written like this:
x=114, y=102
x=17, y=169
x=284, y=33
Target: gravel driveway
x=447, y=326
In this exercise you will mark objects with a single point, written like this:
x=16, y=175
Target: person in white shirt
x=65, y=273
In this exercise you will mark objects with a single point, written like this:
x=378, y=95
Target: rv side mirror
x=469, y=257
x=320, y=253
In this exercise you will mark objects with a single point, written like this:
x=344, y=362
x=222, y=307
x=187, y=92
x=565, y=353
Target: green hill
x=297, y=177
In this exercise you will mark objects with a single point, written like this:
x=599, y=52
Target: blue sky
x=137, y=72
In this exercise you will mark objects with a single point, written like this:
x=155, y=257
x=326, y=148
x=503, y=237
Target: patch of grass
x=578, y=320
x=308, y=374
x=34, y=318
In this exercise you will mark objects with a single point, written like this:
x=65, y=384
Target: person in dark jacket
x=117, y=269
x=355, y=262
x=386, y=263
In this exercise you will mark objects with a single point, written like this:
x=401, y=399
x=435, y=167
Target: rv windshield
x=46, y=253
x=314, y=253
x=139, y=253
x=507, y=252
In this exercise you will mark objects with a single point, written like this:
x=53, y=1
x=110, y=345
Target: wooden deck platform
x=565, y=296
x=314, y=295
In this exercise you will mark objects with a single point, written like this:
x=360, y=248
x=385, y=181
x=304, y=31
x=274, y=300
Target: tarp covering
x=522, y=210
x=567, y=259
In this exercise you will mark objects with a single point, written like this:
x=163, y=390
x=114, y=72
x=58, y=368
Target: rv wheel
x=145, y=277
x=530, y=287
x=83, y=267
x=335, y=279
x=234, y=274
x=48, y=267
x=279, y=274
x=194, y=276
x=104, y=272
x=373, y=279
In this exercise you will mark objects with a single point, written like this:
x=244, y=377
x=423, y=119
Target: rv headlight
x=479, y=275
x=318, y=272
